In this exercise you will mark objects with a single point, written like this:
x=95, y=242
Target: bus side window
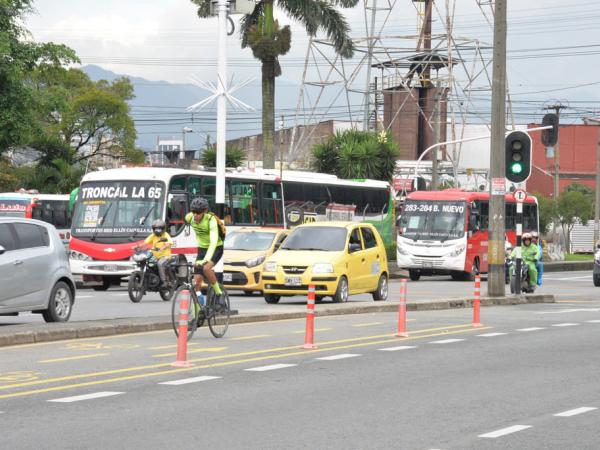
x=244, y=201
x=208, y=189
x=530, y=222
x=484, y=215
x=271, y=204
x=511, y=216
x=177, y=208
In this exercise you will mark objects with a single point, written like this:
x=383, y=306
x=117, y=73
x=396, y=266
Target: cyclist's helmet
x=158, y=227
x=535, y=235
x=199, y=205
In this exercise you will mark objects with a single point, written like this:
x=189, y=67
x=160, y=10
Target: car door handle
x=18, y=262
x=363, y=260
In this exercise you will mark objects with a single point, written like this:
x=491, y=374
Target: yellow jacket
x=153, y=241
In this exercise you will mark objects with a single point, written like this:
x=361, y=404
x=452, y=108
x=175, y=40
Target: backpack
x=220, y=225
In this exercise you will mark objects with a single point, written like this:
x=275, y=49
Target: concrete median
x=35, y=333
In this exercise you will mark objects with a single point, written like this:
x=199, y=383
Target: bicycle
x=216, y=313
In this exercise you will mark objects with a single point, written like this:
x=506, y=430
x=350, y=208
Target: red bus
x=447, y=232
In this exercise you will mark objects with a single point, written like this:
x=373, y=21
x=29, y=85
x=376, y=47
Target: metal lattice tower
x=388, y=62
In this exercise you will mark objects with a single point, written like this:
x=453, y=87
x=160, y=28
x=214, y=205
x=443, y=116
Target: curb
x=12, y=334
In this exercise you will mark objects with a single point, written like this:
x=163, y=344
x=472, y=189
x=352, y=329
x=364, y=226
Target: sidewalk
x=34, y=333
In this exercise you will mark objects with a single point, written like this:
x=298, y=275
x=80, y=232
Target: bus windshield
x=13, y=207
x=433, y=220
x=117, y=208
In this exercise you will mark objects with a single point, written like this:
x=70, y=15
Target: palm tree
x=267, y=40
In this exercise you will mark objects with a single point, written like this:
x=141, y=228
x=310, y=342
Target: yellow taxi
x=339, y=258
x=245, y=250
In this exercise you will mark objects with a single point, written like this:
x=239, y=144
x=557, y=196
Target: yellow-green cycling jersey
x=207, y=232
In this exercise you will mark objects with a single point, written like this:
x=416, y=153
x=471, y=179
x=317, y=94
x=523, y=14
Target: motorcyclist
x=160, y=243
x=529, y=255
x=539, y=265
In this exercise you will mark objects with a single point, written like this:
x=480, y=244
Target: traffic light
x=550, y=136
x=518, y=156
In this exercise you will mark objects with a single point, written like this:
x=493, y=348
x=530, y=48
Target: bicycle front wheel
x=176, y=311
x=218, y=312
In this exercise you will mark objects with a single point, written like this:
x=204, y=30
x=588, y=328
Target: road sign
x=520, y=195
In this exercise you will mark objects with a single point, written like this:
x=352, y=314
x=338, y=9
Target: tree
x=572, y=206
x=267, y=40
x=357, y=154
x=18, y=58
x=546, y=211
x=234, y=157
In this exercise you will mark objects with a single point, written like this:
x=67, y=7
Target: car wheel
x=341, y=293
x=597, y=280
x=104, y=287
x=414, y=275
x=60, y=304
x=382, y=288
x=272, y=299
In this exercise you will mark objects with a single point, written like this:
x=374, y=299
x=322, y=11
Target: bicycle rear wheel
x=218, y=312
x=176, y=310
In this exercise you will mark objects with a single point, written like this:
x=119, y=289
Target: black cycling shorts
x=216, y=257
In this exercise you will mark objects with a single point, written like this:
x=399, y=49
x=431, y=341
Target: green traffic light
x=516, y=168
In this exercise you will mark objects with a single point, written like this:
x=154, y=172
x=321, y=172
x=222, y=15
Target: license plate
x=227, y=277
x=110, y=268
x=293, y=281
x=427, y=264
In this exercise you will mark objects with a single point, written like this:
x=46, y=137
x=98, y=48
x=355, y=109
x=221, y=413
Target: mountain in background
x=159, y=109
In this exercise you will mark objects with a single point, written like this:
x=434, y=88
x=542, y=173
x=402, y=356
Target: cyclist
x=210, y=244
x=539, y=265
x=529, y=254
x=160, y=243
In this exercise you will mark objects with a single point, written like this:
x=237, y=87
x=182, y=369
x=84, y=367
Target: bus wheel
x=414, y=275
x=106, y=283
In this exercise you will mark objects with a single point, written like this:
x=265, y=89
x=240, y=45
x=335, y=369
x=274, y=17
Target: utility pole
x=497, y=156
x=556, y=108
x=281, y=125
x=588, y=121
x=436, y=136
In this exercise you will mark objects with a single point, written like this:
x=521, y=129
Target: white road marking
x=491, y=334
x=271, y=367
x=84, y=296
x=446, y=341
x=189, y=380
x=580, y=277
x=564, y=324
x=574, y=412
x=531, y=329
x=78, y=398
x=340, y=356
x=120, y=295
x=570, y=310
x=395, y=349
x=593, y=321
x=505, y=431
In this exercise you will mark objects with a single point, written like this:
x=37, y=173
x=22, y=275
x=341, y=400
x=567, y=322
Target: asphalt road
x=526, y=380
x=115, y=303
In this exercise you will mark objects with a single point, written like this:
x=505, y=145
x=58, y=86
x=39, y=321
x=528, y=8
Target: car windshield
x=248, y=240
x=431, y=220
x=329, y=239
x=13, y=207
x=117, y=208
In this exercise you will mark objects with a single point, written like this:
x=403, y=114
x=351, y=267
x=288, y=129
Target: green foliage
x=546, y=211
x=585, y=190
x=234, y=157
x=571, y=207
x=357, y=154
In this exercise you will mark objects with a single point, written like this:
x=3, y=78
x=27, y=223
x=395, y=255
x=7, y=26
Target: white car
x=34, y=270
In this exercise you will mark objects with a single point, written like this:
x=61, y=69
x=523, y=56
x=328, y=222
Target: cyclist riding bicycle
x=210, y=245
x=160, y=243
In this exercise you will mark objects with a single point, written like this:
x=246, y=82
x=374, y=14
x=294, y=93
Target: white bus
x=50, y=208
x=115, y=208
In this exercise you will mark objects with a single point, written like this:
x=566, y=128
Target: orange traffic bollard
x=402, y=310
x=477, y=302
x=184, y=306
x=309, y=336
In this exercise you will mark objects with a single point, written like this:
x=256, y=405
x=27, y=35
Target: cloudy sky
x=553, y=45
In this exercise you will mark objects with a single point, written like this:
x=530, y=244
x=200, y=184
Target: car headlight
x=271, y=266
x=322, y=268
x=74, y=254
x=457, y=250
x=253, y=262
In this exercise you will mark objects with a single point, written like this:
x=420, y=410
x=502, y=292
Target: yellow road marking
x=299, y=352
x=71, y=358
x=210, y=358
x=195, y=350
x=316, y=329
x=247, y=338
x=368, y=324
x=162, y=347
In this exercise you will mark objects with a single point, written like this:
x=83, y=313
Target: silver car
x=34, y=270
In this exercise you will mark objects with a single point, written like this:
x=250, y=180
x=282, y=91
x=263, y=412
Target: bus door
x=478, y=234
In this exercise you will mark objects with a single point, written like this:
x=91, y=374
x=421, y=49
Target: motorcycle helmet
x=534, y=234
x=199, y=205
x=526, y=236
x=158, y=227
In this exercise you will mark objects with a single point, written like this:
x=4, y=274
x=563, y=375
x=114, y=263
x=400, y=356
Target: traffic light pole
x=519, y=259
x=497, y=157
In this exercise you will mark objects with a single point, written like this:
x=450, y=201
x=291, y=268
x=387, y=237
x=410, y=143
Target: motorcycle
x=146, y=277
x=596, y=272
x=525, y=285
